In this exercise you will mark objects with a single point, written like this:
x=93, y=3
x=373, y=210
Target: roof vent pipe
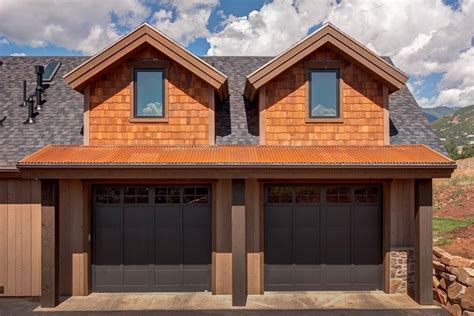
x=24, y=93
x=39, y=86
x=31, y=110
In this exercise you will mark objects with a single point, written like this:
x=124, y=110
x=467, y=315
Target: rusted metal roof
x=236, y=155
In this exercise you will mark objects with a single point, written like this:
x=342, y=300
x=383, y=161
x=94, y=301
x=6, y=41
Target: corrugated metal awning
x=236, y=156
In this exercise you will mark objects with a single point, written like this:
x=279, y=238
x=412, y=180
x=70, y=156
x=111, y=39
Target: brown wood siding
x=71, y=230
x=222, y=254
x=362, y=108
x=188, y=108
x=402, y=210
x=20, y=237
x=253, y=237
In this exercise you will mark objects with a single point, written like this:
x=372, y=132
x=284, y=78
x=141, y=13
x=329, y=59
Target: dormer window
x=149, y=93
x=324, y=95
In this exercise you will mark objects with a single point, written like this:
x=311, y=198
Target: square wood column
x=423, y=241
x=49, y=244
x=239, y=253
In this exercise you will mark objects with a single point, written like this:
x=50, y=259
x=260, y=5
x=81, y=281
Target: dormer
x=327, y=89
x=147, y=89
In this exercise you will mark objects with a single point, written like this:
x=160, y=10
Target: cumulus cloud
x=422, y=37
x=85, y=25
x=184, y=20
x=18, y=54
x=269, y=30
x=4, y=41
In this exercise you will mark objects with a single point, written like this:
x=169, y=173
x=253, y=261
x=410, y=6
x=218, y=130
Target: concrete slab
x=301, y=303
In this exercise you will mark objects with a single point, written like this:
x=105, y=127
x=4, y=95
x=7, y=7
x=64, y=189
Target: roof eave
x=449, y=166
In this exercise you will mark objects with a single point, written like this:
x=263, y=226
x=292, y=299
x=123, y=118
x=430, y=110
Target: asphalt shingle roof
x=60, y=121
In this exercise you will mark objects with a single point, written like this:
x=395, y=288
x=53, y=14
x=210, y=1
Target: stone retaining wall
x=453, y=282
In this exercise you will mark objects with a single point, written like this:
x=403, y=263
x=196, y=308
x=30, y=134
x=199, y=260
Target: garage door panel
x=337, y=275
x=168, y=277
x=366, y=216
x=278, y=276
x=366, y=274
x=196, y=277
x=168, y=236
x=138, y=235
x=166, y=244
x=139, y=275
x=108, y=235
x=307, y=275
x=278, y=224
x=109, y=276
x=335, y=242
x=196, y=236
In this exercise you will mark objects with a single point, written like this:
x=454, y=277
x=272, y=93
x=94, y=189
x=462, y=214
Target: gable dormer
x=146, y=89
x=328, y=89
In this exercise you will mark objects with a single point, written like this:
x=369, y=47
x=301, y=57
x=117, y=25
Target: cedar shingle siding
x=188, y=114
x=362, y=109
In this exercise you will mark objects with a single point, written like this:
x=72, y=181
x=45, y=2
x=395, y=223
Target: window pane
x=324, y=93
x=149, y=93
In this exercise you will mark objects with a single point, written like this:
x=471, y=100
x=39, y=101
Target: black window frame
x=135, y=94
x=338, y=93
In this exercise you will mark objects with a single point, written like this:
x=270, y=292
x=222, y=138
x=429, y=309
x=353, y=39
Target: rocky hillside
x=456, y=126
x=433, y=114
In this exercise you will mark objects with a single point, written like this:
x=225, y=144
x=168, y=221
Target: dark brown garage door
x=151, y=238
x=321, y=237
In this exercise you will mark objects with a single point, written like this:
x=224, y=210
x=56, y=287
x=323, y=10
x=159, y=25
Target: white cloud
x=184, y=20
x=4, y=41
x=85, y=25
x=421, y=36
x=456, y=87
x=269, y=30
x=18, y=54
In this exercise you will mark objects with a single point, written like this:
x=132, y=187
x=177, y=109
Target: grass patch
x=444, y=225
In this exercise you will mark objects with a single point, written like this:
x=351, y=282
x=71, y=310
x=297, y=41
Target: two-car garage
x=159, y=237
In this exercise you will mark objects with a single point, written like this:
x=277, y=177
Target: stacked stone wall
x=453, y=282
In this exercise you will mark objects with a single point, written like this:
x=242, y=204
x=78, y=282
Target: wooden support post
x=49, y=243
x=386, y=237
x=423, y=241
x=239, y=253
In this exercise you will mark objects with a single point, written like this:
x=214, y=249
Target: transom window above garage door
x=142, y=194
x=315, y=193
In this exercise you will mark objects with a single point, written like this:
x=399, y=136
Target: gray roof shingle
x=60, y=121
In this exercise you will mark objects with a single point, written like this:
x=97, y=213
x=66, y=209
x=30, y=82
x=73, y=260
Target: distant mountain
x=432, y=114
x=456, y=126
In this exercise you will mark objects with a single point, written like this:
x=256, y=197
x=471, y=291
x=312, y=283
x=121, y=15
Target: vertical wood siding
x=20, y=237
x=72, y=230
x=402, y=212
x=362, y=108
x=222, y=253
x=110, y=104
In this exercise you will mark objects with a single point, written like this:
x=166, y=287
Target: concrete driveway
x=304, y=303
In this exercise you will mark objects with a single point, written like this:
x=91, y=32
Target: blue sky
x=431, y=40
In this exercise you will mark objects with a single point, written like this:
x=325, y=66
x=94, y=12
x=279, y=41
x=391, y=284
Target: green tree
x=467, y=151
x=451, y=148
